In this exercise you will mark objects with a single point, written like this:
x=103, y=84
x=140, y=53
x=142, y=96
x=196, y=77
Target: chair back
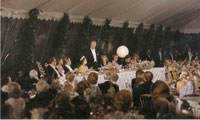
x=144, y=98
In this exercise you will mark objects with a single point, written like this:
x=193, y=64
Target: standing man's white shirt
x=94, y=54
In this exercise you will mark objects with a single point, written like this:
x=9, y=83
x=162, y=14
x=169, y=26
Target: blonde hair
x=33, y=74
x=42, y=86
x=93, y=78
x=70, y=76
x=123, y=100
x=104, y=57
x=184, y=74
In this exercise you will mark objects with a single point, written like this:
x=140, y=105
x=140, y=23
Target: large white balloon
x=122, y=51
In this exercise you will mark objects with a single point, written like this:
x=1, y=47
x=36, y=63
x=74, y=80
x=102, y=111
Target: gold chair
x=144, y=98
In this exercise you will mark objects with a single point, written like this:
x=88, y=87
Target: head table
x=126, y=76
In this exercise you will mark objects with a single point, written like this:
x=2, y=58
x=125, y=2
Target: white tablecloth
x=125, y=77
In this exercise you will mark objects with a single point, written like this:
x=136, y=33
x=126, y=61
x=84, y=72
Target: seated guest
x=42, y=86
x=67, y=66
x=64, y=108
x=123, y=102
x=114, y=61
x=52, y=71
x=148, y=55
x=164, y=109
x=83, y=67
x=70, y=90
x=33, y=79
x=21, y=80
x=15, y=101
x=127, y=61
x=139, y=80
x=6, y=111
x=134, y=60
x=42, y=89
x=146, y=86
x=60, y=67
x=104, y=60
x=96, y=93
x=42, y=106
x=110, y=83
x=5, y=80
x=70, y=78
x=158, y=89
x=186, y=86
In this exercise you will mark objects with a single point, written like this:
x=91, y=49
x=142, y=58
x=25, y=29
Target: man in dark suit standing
x=52, y=71
x=189, y=54
x=148, y=55
x=92, y=56
x=159, y=58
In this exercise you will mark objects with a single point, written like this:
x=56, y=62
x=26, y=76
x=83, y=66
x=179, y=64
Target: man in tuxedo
x=52, y=71
x=92, y=56
x=148, y=55
x=177, y=55
x=170, y=55
x=189, y=54
x=159, y=58
x=127, y=61
x=67, y=66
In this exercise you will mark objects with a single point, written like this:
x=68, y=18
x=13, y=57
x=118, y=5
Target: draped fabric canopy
x=179, y=14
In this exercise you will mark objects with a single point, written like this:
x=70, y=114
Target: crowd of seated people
x=58, y=95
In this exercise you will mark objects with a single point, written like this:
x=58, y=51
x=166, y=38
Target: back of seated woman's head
x=160, y=89
x=82, y=86
x=123, y=100
x=70, y=76
x=93, y=78
x=14, y=90
x=42, y=86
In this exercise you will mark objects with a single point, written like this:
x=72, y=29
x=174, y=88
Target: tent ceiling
x=179, y=14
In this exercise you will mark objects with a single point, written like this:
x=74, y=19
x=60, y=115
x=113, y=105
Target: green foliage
x=106, y=31
x=61, y=37
x=27, y=43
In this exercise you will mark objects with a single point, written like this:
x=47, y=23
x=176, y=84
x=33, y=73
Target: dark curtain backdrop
x=11, y=31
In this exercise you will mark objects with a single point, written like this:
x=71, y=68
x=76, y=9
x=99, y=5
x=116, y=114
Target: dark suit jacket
x=90, y=59
x=51, y=74
x=106, y=85
x=149, y=58
x=170, y=57
x=157, y=59
x=177, y=57
x=66, y=69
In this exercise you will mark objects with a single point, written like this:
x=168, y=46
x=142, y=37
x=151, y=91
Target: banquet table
x=126, y=76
